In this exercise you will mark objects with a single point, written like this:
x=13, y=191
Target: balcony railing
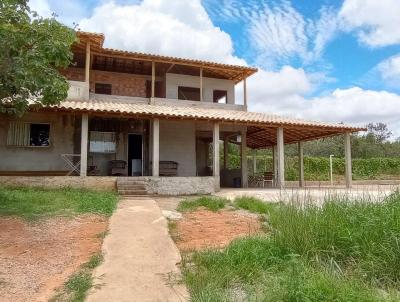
x=78, y=91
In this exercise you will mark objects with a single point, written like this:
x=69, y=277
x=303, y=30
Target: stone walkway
x=139, y=257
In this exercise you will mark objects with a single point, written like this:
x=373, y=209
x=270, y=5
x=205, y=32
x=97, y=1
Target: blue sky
x=330, y=60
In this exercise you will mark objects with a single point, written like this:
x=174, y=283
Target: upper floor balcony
x=109, y=74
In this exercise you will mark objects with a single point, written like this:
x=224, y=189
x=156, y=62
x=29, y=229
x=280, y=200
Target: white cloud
x=389, y=70
x=182, y=28
x=176, y=28
x=354, y=105
x=377, y=23
x=42, y=7
x=276, y=31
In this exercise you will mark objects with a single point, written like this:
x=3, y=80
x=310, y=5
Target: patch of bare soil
x=203, y=229
x=38, y=257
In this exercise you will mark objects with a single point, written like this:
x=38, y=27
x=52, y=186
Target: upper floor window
x=22, y=134
x=220, y=96
x=188, y=93
x=102, y=88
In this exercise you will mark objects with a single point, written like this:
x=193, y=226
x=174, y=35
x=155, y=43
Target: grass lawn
x=210, y=203
x=342, y=251
x=32, y=203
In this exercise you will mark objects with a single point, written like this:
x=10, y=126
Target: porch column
x=153, y=81
x=225, y=153
x=347, y=156
x=245, y=178
x=281, y=159
x=84, y=144
x=156, y=147
x=201, y=84
x=301, y=164
x=244, y=92
x=87, y=63
x=216, y=149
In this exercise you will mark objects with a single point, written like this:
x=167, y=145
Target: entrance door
x=135, y=155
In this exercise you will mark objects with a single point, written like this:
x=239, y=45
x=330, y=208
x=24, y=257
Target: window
x=102, y=142
x=220, y=96
x=21, y=134
x=101, y=88
x=189, y=93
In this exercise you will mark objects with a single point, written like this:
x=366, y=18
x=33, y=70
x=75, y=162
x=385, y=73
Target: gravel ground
x=36, y=258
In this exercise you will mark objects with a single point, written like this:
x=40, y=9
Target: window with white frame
x=23, y=134
x=102, y=142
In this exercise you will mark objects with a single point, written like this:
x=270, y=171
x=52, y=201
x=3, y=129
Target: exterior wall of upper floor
x=135, y=85
x=173, y=81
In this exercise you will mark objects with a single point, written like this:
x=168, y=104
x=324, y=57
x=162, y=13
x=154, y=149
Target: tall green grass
x=31, y=203
x=341, y=251
x=210, y=203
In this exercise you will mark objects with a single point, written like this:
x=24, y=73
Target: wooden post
x=274, y=164
x=281, y=159
x=225, y=153
x=301, y=164
x=254, y=164
x=87, y=63
x=153, y=80
x=216, y=149
x=244, y=93
x=245, y=178
x=347, y=155
x=156, y=147
x=84, y=144
x=201, y=84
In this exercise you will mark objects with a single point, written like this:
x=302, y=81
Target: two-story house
x=157, y=119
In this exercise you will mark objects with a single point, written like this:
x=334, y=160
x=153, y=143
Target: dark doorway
x=135, y=155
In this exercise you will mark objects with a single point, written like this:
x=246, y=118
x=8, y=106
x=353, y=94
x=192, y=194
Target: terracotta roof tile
x=195, y=112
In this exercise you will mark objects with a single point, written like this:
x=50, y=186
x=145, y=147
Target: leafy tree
x=379, y=131
x=32, y=50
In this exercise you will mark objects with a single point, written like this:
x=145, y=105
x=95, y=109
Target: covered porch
x=207, y=129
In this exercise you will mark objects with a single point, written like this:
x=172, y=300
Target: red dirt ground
x=203, y=229
x=38, y=257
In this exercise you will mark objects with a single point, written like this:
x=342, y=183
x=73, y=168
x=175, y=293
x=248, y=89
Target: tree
x=32, y=50
x=379, y=131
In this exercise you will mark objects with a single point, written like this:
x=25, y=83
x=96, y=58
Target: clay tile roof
x=261, y=127
x=197, y=113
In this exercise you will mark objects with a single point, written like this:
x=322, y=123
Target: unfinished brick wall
x=122, y=84
x=74, y=74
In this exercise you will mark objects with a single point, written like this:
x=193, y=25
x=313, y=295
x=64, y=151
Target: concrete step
x=136, y=197
x=132, y=192
x=131, y=187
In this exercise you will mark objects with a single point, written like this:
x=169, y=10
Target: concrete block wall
x=178, y=143
x=39, y=158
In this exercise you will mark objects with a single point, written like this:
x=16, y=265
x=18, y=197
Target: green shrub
x=210, y=203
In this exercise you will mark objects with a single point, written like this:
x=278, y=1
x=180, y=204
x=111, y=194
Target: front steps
x=131, y=187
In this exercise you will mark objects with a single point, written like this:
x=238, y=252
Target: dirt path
x=38, y=257
x=205, y=229
x=139, y=257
